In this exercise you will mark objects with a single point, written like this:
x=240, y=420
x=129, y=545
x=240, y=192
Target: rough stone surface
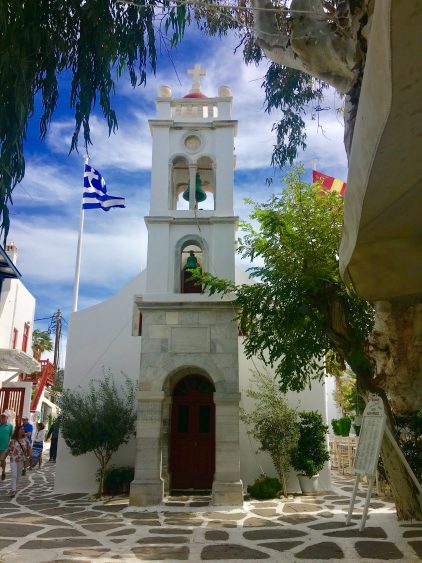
x=373, y=532
x=54, y=543
x=83, y=529
x=225, y=552
x=281, y=545
x=91, y=553
x=273, y=534
x=327, y=525
x=378, y=550
x=417, y=547
x=161, y=553
x=162, y=539
x=258, y=523
x=229, y=516
x=61, y=533
x=297, y=519
x=170, y=531
x=216, y=535
x=412, y=534
x=322, y=550
x=13, y=530
x=290, y=508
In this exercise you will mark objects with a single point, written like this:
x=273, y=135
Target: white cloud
x=129, y=148
x=114, y=246
x=46, y=181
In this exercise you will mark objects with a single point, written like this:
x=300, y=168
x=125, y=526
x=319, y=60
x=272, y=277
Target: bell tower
x=189, y=377
x=191, y=186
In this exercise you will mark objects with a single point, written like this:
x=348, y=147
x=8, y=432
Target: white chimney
x=12, y=252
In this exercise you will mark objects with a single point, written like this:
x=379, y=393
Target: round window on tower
x=192, y=142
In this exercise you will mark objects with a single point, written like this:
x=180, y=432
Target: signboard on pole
x=368, y=451
x=370, y=437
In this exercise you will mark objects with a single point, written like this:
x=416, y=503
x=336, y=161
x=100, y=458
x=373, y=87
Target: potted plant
x=341, y=426
x=311, y=452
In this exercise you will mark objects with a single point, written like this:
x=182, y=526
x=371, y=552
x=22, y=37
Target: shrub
x=272, y=423
x=98, y=419
x=117, y=480
x=311, y=452
x=341, y=426
x=265, y=488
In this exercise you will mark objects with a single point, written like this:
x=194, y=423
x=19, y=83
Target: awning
x=16, y=360
x=381, y=248
x=7, y=268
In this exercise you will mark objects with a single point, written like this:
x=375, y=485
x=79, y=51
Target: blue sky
x=45, y=214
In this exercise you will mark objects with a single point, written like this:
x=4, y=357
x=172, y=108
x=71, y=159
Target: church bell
x=200, y=195
x=191, y=262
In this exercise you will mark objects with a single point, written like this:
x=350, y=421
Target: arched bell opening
x=192, y=434
x=191, y=259
x=184, y=174
x=205, y=171
x=179, y=175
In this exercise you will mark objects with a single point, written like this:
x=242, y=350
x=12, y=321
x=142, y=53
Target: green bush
x=117, y=480
x=311, y=452
x=99, y=418
x=341, y=426
x=265, y=488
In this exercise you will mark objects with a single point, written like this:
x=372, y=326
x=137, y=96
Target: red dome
x=195, y=95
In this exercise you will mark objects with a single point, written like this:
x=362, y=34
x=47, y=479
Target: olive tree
x=98, y=419
x=298, y=309
x=272, y=423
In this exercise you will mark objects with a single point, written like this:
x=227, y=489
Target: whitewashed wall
x=17, y=307
x=99, y=338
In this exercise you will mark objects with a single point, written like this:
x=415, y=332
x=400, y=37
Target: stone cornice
x=178, y=305
x=187, y=220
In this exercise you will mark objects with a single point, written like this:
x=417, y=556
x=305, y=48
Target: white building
x=181, y=345
x=17, y=309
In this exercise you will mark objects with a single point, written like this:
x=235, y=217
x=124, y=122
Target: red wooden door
x=192, y=444
x=12, y=398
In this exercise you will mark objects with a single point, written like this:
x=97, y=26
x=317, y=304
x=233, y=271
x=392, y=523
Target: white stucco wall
x=17, y=307
x=252, y=464
x=333, y=410
x=100, y=338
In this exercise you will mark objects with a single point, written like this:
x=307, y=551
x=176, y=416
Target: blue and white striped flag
x=95, y=192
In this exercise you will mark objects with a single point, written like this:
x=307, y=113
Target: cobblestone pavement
x=39, y=525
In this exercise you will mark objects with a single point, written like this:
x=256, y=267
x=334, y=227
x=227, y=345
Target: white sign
x=370, y=437
x=367, y=454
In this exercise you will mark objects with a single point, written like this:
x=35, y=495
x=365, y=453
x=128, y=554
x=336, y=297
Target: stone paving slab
x=39, y=526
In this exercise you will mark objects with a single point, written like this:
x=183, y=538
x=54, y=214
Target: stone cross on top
x=196, y=72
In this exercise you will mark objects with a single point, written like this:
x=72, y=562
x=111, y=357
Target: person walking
x=37, y=446
x=53, y=433
x=28, y=428
x=6, y=430
x=19, y=450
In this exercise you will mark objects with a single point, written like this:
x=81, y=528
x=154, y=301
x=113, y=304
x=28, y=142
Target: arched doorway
x=192, y=443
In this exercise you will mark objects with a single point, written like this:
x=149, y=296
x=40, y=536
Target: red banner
x=328, y=182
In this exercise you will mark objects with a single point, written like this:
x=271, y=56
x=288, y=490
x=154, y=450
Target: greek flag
x=95, y=192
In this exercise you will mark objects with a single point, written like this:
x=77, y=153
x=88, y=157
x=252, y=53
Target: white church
x=180, y=345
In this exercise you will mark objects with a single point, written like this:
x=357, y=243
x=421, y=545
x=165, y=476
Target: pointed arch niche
x=191, y=250
x=183, y=172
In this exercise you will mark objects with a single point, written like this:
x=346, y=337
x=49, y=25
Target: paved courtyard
x=39, y=525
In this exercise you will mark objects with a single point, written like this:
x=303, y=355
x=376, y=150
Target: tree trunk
x=395, y=348
x=406, y=495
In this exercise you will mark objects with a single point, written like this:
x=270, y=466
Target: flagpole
x=78, y=252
